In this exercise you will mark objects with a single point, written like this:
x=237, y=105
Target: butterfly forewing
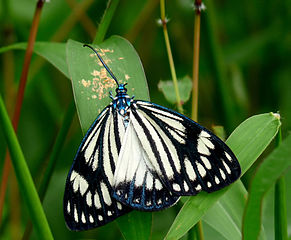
x=187, y=157
x=88, y=201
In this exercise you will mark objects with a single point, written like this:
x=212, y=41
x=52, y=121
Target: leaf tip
x=276, y=115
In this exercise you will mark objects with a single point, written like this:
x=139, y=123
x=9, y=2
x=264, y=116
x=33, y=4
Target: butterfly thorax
x=122, y=101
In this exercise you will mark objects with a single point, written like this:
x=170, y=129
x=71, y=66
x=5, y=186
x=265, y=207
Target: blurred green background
x=250, y=42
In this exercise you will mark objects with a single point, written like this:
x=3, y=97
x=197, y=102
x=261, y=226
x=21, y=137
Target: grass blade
x=135, y=225
x=24, y=178
x=106, y=19
x=267, y=174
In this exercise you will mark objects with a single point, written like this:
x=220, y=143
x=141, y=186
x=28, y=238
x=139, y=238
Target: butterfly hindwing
x=187, y=157
x=88, y=201
x=135, y=182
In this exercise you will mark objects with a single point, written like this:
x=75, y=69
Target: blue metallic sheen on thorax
x=121, y=102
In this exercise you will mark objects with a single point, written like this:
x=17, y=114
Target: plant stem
x=170, y=56
x=24, y=178
x=106, y=20
x=280, y=216
x=20, y=95
x=196, y=49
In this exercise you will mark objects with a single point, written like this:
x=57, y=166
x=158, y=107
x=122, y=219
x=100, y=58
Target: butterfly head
x=121, y=90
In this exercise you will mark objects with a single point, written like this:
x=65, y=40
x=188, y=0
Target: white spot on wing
x=79, y=183
x=91, y=219
x=176, y=187
x=226, y=167
x=201, y=147
x=204, y=134
x=89, y=199
x=186, y=187
x=208, y=143
x=105, y=194
x=198, y=187
x=100, y=218
x=206, y=162
x=83, y=218
x=158, y=184
x=228, y=156
x=149, y=181
x=189, y=169
x=68, y=207
x=216, y=180
x=76, y=215
x=119, y=206
x=222, y=174
x=97, y=200
x=83, y=185
x=209, y=184
x=201, y=170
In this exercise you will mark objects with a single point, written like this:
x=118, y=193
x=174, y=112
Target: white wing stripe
x=169, y=145
x=100, y=120
x=148, y=148
x=107, y=151
x=161, y=112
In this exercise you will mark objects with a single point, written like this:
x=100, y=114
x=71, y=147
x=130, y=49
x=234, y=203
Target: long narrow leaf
x=24, y=178
x=136, y=225
x=55, y=53
x=92, y=84
x=267, y=174
x=247, y=141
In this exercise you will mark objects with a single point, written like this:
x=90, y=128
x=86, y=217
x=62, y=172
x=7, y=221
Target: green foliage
x=24, y=178
x=185, y=87
x=244, y=70
x=266, y=175
x=135, y=225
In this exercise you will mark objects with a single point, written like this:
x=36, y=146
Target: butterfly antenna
x=104, y=64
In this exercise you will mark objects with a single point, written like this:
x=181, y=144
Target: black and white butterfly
x=140, y=155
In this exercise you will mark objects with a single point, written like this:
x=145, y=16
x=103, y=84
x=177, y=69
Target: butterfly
x=140, y=155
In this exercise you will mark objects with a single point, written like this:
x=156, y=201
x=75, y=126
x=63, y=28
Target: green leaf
x=185, y=88
x=267, y=174
x=247, y=142
x=225, y=216
x=135, y=225
x=91, y=83
x=55, y=53
x=25, y=182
